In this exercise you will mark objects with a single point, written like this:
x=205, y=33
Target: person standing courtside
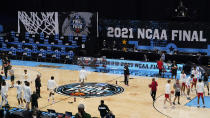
x=5, y=65
x=51, y=86
x=206, y=82
x=38, y=85
x=153, y=87
x=126, y=74
x=160, y=67
x=103, y=109
x=174, y=69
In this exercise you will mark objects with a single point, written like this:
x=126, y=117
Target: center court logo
x=89, y=90
x=77, y=23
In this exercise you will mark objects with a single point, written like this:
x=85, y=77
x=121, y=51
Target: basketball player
x=51, y=86
x=188, y=82
x=82, y=76
x=26, y=76
x=195, y=72
x=153, y=87
x=38, y=84
x=4, y=91
x=126, y=74
x=183, y=81
x=174, y=69
x=12, y=77
x=34, y=101
x=5, y=65
x=167, y=93
x=200, y=92
x=177, y=88
x=27, y=94
x=19, y=93
x=205, y=80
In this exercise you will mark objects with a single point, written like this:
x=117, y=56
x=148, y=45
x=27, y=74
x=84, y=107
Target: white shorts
x=51, y=90
x=28, y=99
x=81, y=80
x=19, y=95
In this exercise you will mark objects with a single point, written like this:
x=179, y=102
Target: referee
x=126, y=74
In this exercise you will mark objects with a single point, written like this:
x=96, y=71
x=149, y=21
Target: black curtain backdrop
x=110, y=9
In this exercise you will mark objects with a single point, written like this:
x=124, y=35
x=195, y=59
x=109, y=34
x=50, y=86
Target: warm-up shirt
x=167, y=88
x=200, y=87
x=51, y=84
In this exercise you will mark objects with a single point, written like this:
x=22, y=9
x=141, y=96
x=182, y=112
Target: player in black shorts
x=177, y=88
x=12, y=77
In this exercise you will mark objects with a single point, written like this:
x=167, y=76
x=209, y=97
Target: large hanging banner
x=77, y=23
x=187, y=37
x=62, y=23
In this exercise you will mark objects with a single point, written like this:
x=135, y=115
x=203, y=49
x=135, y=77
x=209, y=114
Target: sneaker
x=204, y=106
x=179, y=103
x=198, y=106
x=48, y=100
x=173, y=103
x=22, y=105
x=208, y=93
x=188, y=98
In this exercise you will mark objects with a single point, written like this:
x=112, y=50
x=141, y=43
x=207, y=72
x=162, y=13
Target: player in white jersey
x=168, y=92
x=196, y=74
x=27, y=94
x=19, y=93
x=82, y=76
x=188, y=82
x=183, y=81
x=51, y=86
x=4, y=91
x=26, y=76
x=200, y=92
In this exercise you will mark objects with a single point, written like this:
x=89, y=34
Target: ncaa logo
x=77, y=23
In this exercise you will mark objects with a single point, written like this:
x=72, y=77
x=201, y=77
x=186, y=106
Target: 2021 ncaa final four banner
x=62, y=23
x=188, y=37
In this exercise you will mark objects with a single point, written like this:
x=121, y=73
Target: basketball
x=172, y=92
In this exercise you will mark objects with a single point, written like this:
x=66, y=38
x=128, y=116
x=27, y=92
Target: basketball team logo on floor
x=89, y=90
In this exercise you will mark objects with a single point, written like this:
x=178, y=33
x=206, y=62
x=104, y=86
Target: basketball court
x=133, y=101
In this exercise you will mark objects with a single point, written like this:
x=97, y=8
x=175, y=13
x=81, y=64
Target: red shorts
x=194, y=80
x=183, y=84
x=200, y=94
x=166, y=95
x=187, y=86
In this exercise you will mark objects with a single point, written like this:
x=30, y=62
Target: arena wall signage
x=119, y=64
x=151, y=35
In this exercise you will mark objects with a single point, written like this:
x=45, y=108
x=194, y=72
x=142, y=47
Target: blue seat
x=19, y=49
x=26, y=35
x=84, y=38
x=60, y=42
x=31, y=40
x=45, y=41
